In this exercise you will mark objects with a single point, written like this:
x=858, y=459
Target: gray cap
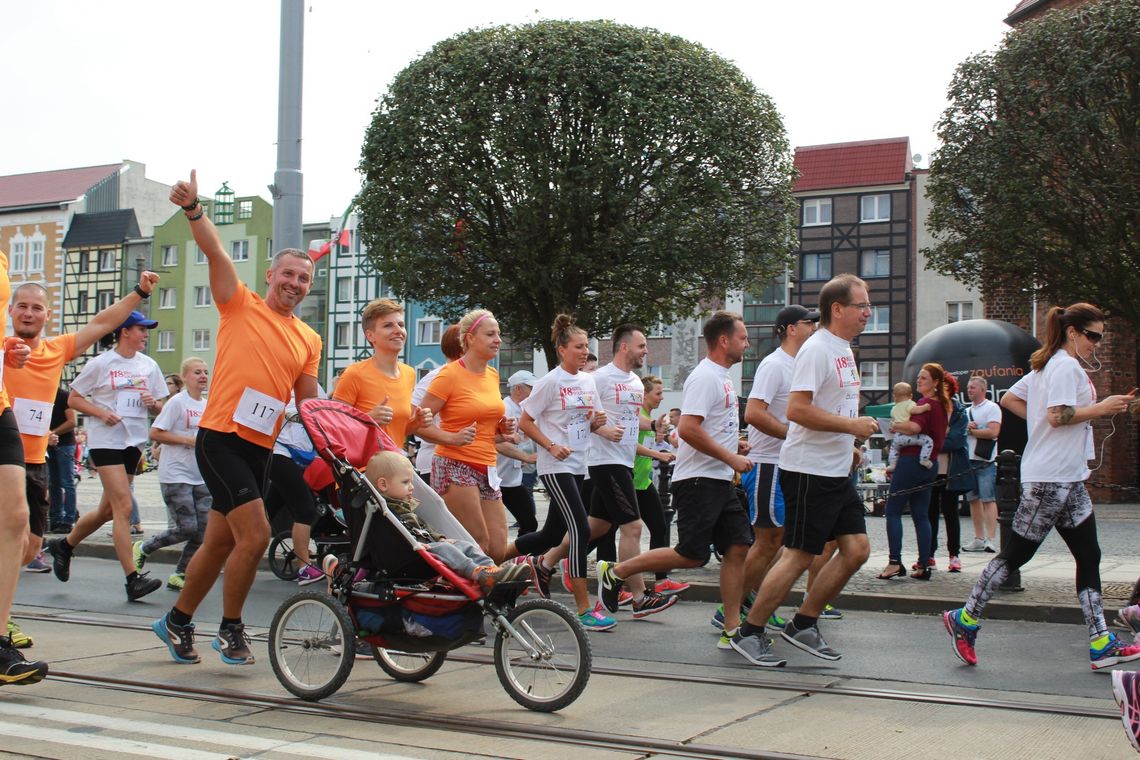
x=522, y=377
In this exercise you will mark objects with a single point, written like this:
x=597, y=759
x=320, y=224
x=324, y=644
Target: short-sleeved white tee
x=710, y=394
x=292, y=434
x=179, y=416
x=826, y=367
x=427, y=448
x=117, y=383
x=562, y=404
x=773, y=379
x=1058, y=454
x=982, y=415
x=621, y=394
x=510, y=469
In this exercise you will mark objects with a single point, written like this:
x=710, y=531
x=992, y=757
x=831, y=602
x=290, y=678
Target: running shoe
x=309, y=574
x=651, y=604
x=597, y=619
x=1114, y=652
x=955, y=565
x=810, y=641
x=176, y=581
x=1126, y=692
x=564, y=568
x=139, y=555
x=757, y=649
x=975, y=545
x=608, y=585
x=508, y=572
x=669, y=587
x=37, y=565
x=1129, y=617
x=717, y=621
x=989, y=546
x=625, y=598
x=15, y=670
x=179, y=639
x=19, y=639
x=140, y=586
x=363, y=650
x=233, y=645
x=60, y=560
x=726, y=637
x=540, y=576
x=831, y=613
x=962, y=636
x=775, y=623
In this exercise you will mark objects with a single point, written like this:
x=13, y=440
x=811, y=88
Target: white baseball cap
x=522, y=377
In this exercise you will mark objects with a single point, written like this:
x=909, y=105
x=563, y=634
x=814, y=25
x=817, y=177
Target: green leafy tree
x=1037, y=186
x=599, y=169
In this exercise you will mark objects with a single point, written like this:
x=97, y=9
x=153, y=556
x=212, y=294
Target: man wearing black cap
x=767, y=418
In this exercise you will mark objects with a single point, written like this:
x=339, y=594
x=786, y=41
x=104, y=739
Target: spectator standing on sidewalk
x=983, y=428
x=61, y=466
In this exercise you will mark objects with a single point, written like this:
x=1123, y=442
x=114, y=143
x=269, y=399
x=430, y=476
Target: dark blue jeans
x=909, y=474
x=61, y=475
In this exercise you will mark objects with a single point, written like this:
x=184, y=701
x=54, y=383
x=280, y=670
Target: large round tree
x=613, y=172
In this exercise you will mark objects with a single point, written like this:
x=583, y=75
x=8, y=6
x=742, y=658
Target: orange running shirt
x=469, y=397
x=259, y=352
x=34, y=385
x=364, y=386
x=5, y=294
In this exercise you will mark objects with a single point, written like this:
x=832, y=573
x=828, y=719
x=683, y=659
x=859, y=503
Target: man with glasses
x=820, y=500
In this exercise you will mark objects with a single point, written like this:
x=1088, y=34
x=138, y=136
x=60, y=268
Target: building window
x=84, y=262
x=816, y=266
x=663, y=371
x=19, y=257
x=343, y=289
x=170, y=255
x=167, y=298
x=956, y=311
x=879, y=321
x=876, y=376
x=875, y=208
x=103, y=299
x=165, y=340
x=201, y=340
x=817, y=211
x=239, y=250
x=428, y=331
x=343, y=334
x=245, y=210
x=36, y=262
x=199, y=255
x=202, y=296
x=875, y=263
x=106, y=261
x=81, y=302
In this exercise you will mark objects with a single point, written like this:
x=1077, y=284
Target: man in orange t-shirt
x=381, y=386
x=265, y=352
x=32, y=388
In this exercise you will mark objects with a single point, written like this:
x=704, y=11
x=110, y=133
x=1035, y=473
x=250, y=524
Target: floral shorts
x=448, y=472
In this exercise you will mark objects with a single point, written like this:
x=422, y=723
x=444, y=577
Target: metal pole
x=1008, y=497
x=287, y=180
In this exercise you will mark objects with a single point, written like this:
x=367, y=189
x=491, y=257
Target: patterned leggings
x=1044, y=506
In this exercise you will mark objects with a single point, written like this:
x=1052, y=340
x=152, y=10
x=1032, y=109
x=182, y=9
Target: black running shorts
x=709, y=513
x=613, y=497
x=36, y=486
x=233, y=468
x=818, y=509
x=127, y=458
x=11, y=447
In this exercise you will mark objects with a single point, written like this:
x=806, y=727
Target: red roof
x=57, y=186
x=853, y=164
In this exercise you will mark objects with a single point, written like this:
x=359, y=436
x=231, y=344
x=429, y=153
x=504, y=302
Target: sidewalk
x=1049, y=593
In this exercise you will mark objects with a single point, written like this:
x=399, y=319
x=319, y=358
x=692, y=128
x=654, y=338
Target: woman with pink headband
x=464, y=398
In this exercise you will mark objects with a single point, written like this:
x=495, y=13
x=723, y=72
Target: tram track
x=752, y=681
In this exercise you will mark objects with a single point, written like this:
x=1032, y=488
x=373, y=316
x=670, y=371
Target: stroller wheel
x=409, y=667
x=556, y=676
x=312, y=645
x=282, y=560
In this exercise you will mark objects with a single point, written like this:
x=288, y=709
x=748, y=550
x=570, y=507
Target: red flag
x=316, y=254
x=345, y=239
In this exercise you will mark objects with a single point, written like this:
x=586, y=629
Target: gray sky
x=177, y=85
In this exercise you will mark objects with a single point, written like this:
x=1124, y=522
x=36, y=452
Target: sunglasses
x=1092, y=335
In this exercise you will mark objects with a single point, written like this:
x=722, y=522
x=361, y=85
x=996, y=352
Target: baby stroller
x=393, y=594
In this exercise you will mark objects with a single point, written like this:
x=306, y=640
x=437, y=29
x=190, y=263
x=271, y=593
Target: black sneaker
x=179, y=639
x=141, y=586
x=540, y=576
x=651, y=604
x=233, y=645
x=608, y=584
x=14, y=669
x=60, y=560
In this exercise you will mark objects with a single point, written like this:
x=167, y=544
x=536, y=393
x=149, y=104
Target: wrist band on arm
x=141, y=293
x=192, y=206
x=194, y=218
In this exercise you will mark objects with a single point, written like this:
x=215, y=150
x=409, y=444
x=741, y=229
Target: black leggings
x=946, y=503
x=520, y=503
x=566, y=514
x=653, y=515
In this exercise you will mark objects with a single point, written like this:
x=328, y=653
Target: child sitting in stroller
x=393, y=475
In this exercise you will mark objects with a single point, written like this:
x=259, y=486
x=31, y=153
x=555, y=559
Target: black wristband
x=192, y=206
x=141, y=293
x=196, y=217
